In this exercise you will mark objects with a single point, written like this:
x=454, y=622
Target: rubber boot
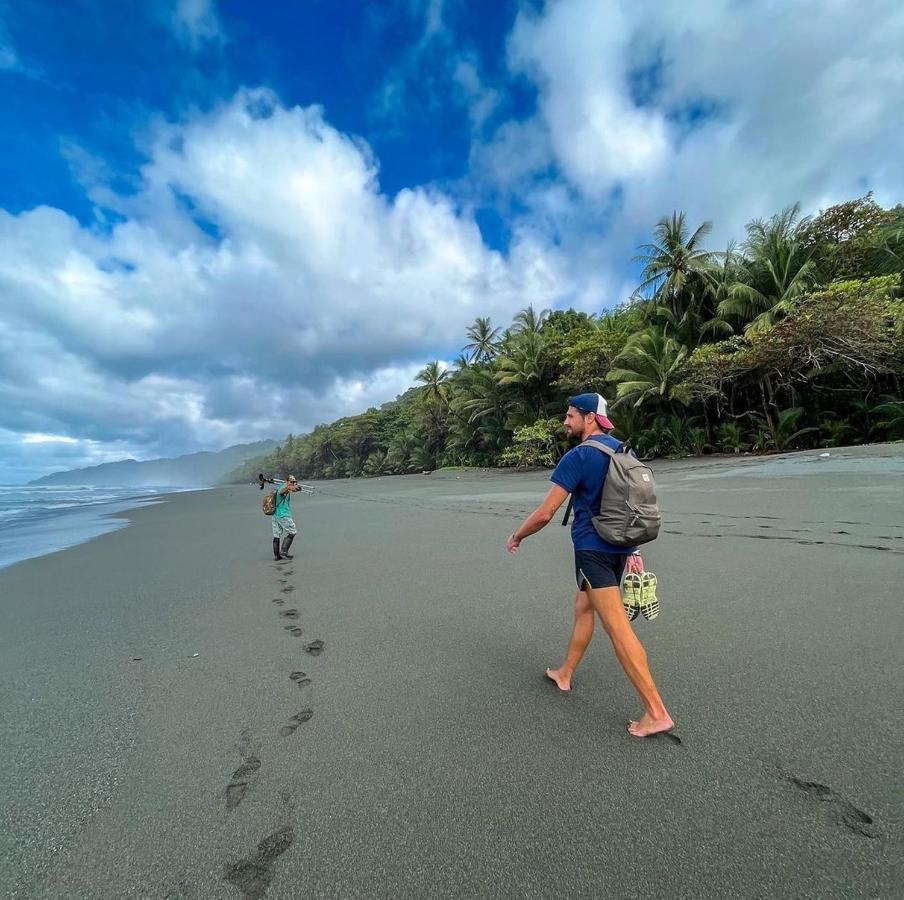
x=286, y=543
x=276, y=548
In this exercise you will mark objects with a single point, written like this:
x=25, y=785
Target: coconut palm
x=693, y=327
x=435, y=381
x=527, y=368
x=780, y=271
x=461, y=363
x=887, y=251
x=781, y=433
x=650, y=367
x=672, y=260
x=892, y=411
x=528, y=321
x=484, y=340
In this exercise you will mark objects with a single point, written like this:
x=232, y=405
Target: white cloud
x=578, y=53
x=258, y=281
x=37, y=438
x=481, y=100
x=195, y=22
x=748, y=108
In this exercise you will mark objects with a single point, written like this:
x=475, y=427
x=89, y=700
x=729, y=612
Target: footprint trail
x=252, y=875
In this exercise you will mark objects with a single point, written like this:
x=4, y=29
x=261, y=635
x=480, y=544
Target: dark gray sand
x=165, y=732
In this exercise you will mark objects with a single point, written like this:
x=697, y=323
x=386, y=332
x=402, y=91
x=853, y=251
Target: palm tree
x=779, y=272
x=528, y=321
x=721, y=277
x=887, y=251
x=782, y=432
x=892, y=411
x=673, y=260
x=651, y=364
x=422, y=458
x=400, y=447
x=692, y=327
x=484, y=343
x=461, y=363
x=434, y=378
x=481, y=395
x=526, y=367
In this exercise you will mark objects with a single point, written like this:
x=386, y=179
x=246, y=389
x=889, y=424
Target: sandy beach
x=168, y=733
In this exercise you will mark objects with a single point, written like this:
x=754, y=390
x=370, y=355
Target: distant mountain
x=193, y=470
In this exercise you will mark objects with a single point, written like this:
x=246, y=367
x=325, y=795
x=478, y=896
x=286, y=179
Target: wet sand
x=419, y=752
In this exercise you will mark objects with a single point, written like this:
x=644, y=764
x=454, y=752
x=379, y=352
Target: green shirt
x=283, y=503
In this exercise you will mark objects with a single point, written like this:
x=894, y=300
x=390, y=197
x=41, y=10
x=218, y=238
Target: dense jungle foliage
x=792, y=339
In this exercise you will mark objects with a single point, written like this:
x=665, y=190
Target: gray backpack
x=629, y=514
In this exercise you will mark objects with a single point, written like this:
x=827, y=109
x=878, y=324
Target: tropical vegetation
x=792, y=339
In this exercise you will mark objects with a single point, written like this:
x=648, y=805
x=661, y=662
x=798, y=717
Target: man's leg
x=633, y=659
x=581, y=635
x=289, y=532
x=277, y=535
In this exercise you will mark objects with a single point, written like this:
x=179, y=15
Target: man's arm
x=539, y=518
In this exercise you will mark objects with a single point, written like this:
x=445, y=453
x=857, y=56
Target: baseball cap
x=596, y=404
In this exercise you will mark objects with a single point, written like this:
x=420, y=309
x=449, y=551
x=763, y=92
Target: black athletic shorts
x=599, y=570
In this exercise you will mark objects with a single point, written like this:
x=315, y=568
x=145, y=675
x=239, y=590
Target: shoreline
x=71, y=527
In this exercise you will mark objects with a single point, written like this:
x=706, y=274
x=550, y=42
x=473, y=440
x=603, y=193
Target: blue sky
x=376, y=70
x=221, y=221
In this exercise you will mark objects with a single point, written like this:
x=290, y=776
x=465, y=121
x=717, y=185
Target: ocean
x=37, y=520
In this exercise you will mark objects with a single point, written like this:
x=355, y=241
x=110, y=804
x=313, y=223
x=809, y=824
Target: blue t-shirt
x=582, y=472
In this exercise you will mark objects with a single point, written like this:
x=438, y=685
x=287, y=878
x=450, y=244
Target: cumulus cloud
x=728, y=111
x=578, y=54
x=258, y=282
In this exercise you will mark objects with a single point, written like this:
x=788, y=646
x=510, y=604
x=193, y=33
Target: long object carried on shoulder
x=302, y=488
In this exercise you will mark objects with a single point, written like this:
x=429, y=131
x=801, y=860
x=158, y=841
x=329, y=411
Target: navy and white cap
x=596, y=404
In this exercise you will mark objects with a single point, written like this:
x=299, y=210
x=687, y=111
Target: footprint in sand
x=289, y=589
x=294, y=630
x=278, y=601
x=296, y=720
x=288, y=571
x=315, y=648
x=289, y=613
x=235, y=791
x=846, y=814
x=252, y=876
x=300, y=678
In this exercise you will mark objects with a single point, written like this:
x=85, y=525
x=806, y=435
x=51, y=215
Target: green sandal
x=632, y=594
x=649, y=602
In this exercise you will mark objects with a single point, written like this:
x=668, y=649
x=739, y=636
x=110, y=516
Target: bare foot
x=563, y=681
x=647, y=726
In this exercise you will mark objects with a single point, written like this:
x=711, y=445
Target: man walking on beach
x=283, y=524
x=598, y=565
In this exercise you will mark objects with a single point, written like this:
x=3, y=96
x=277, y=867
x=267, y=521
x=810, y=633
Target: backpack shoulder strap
x=599, y=445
